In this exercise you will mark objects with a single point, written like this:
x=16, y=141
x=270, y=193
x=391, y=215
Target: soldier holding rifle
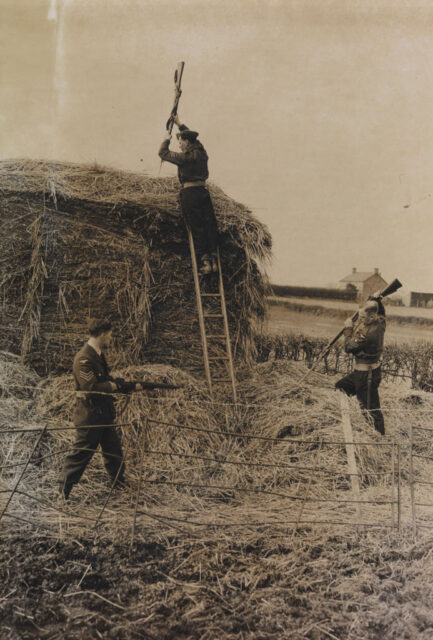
x=195, y=200
x=95, y=412
x=194, y=197
x=364, y=339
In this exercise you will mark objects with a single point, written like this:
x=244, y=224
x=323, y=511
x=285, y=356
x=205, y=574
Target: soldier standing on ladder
x=194, y=197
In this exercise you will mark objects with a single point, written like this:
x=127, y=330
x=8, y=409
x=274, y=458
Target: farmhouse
x=366, y=283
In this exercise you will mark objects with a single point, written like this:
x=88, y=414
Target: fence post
x=412, y=481
x=350, y=451
x=393, y=482
x=398, y=487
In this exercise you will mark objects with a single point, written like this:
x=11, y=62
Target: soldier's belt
x=367, y=367
x=199, y=183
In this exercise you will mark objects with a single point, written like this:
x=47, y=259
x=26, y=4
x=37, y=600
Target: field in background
x=283, y=319
x=394, y=311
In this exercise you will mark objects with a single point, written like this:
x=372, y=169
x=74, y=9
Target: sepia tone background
x=315, y=113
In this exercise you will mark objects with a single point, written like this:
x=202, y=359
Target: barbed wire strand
x=263, y=491
x=280, y=440
x=262, y=464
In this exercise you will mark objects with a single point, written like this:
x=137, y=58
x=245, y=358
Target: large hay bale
x=83, y=240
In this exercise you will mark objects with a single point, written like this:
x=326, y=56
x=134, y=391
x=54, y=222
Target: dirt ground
x=316, y=586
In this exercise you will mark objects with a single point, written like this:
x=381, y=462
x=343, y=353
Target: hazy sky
x=317, y=114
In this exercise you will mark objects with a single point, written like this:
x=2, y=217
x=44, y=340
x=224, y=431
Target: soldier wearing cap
x=364, y=339
x=94, y=412
x=194, y=197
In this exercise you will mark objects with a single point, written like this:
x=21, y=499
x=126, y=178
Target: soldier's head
x=371, y=307
x=100, y=329
x=186, y=139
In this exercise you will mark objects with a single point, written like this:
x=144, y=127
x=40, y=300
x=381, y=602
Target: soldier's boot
x=120, y=484
x=65, y=490
x=214, y=264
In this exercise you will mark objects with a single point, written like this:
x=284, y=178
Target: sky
x=317, y=114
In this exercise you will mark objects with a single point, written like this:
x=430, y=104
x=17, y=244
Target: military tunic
x=195, y=201
x=93, y=416
x=365, y=342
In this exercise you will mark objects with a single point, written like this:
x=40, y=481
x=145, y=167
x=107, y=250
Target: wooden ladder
x=202, y=318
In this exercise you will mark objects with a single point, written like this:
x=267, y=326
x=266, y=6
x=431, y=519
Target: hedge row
x=411, y=361
x=314, y=292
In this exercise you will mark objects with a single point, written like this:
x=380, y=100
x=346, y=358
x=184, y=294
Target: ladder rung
x=207, y=295
x=213, y=315
x=221, y=379
x=218, y=358
x=215, y=337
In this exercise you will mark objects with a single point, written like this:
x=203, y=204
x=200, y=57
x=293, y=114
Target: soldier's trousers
x=356, y=384
x=86, y=443
x=199, y=215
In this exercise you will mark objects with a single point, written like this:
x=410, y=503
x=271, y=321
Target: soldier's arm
x=364, y=340
x=354, y=344
x=181, y=127
x=170, y=156
x=88, y=379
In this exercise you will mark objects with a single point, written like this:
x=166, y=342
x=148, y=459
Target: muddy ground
x=314, y=585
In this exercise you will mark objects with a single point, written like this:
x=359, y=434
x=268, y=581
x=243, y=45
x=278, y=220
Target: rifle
x=128, y=386
x=391, y=288
x=177, y=93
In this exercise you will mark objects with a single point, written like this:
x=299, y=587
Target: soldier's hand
x=113, y=386
x=176, y=120
x=348, y=323
x=138, y=387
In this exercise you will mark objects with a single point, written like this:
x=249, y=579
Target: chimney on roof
x=353, y=269
x=376, y=271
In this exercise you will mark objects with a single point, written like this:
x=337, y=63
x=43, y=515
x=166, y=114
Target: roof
x=359, y=276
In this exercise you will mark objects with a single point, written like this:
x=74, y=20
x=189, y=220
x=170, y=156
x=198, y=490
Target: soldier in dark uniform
x=364, y=339
x=91, y=374
x=194, y=197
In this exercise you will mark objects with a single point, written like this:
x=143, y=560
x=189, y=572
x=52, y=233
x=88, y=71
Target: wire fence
x=391, y=474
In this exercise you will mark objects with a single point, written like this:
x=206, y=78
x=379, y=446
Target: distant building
x=418, y=299
x=365, y=282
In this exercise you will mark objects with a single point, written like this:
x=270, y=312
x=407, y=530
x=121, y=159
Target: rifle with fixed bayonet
x=128, y=386
x=177, y=93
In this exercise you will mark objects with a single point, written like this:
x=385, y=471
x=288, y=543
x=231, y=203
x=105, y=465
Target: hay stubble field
x=216, y=549
x=238, y=522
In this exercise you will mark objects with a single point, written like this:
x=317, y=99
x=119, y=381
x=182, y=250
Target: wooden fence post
x=412, y=481
x=350, y=451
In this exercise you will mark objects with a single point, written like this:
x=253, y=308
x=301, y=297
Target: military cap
x=187, y=134
x=371, y=305
x=97, y=326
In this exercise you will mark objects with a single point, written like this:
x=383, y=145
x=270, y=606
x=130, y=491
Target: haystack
x=278, y=457
x=84, y=240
